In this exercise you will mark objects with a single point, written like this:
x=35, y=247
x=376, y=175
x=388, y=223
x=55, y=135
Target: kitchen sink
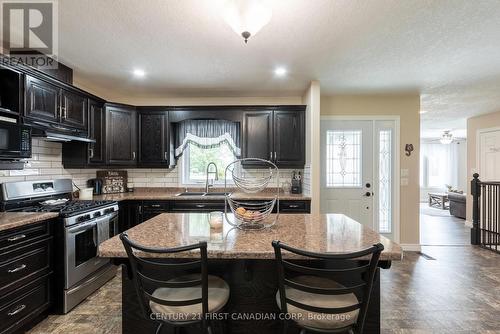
x=200, y=194
x=190, y=194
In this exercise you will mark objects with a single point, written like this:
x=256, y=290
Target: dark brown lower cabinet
x=137, y=212
x=26, y=270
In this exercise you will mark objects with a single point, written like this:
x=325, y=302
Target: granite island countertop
x=316, y=233
x=9, y=220
x=171, y=194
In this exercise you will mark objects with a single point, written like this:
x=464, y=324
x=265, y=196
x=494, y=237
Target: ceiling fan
x=446, y=138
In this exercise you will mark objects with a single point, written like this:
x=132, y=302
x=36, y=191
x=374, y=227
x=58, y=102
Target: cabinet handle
x=200, y=205
x=155, y=205
x=274, y=155
x=271, y=156
x=133, y=155
x=293, y=206
x=17, y=310
x=63, y=112
x=165, y=155
x=18, y=268
x=17, y=237
x=91, y=153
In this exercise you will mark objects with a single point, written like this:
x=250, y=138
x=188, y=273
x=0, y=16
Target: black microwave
x=15, y=140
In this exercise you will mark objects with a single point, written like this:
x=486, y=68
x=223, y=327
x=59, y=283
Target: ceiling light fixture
x=139, y=73
x=280, y=71
x=446, y=138
x=246, y=17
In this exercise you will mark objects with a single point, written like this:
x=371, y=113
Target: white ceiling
x=449, y=50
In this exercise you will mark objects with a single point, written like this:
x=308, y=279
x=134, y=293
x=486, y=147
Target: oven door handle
x=84, y=227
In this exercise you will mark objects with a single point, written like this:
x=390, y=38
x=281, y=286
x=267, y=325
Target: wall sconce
x=409, y=148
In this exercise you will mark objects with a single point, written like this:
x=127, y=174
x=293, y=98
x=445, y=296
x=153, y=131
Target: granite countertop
x=170, y=194
x=9, y=220
x=316, y=233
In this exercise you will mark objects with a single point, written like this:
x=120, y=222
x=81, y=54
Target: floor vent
x=425, y=256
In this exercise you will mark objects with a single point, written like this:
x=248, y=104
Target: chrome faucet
x=207, y=185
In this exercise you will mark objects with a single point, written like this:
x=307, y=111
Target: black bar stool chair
x=310, y=292
x=178, y=293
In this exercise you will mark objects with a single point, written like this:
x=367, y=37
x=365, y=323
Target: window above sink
x=195, y=160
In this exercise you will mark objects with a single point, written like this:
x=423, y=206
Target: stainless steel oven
x=15, y=140
x=81, y=244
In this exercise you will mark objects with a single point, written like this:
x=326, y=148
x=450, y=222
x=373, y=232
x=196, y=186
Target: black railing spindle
x=485, y=214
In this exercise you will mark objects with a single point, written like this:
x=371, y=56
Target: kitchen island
x=245, y=259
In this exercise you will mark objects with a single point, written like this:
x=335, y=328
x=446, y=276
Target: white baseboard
x=411, y=247
x=468, y=223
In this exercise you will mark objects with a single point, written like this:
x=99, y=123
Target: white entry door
x=357, y=171
x=489, y=155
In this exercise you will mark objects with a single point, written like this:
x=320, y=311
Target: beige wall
x=311, y=181
x=474, y=124
x=407, y=107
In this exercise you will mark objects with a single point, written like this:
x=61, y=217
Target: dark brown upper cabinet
x=73, y=109
x=289, y=138
x=42, y=100
x=154, y=138
x=97, y=131
x=46, y=102
x=276, y=135
x=257, y=135
x=121, y=135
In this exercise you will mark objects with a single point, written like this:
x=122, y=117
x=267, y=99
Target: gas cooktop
x=68, y=209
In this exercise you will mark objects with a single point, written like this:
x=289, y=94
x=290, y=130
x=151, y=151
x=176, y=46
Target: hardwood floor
x=457, y=292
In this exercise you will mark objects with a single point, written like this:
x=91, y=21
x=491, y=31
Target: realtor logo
x=29, y=33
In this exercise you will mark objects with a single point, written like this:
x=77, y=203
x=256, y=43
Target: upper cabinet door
x=97, y=130
x=257, y=135
x=42, y=100
x=289, y=139
x=74, y=109
x=153, y=138
x=121, y=136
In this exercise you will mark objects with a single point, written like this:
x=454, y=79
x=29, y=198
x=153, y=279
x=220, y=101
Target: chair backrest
x=150, y=271
x=354, y=271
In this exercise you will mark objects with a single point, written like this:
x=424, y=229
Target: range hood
x=52, y=132
x=62, y=137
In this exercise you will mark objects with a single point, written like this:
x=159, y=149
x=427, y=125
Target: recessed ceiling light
x=139, y=73
x=423, y=111
x=280, y=71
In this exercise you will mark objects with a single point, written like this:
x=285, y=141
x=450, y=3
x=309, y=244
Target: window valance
x=207, y=133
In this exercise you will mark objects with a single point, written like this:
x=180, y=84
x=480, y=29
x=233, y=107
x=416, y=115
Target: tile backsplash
x=46, y=163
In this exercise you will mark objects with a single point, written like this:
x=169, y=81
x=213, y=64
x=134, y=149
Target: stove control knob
x=97, y=214
x=83, y=218
x=109, y=210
